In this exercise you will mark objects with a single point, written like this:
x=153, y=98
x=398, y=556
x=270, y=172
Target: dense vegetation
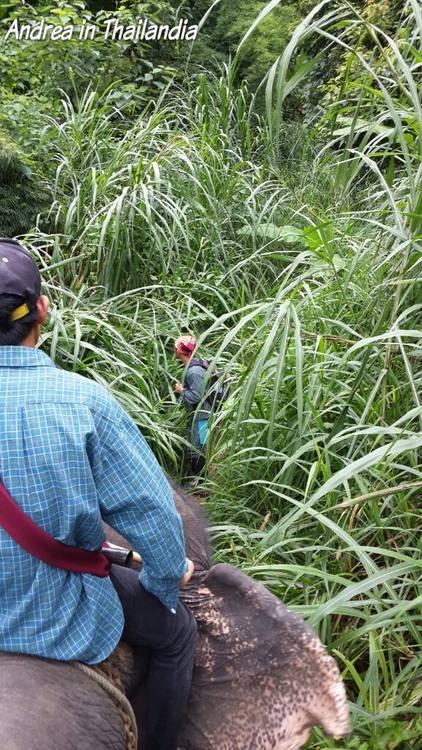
x=284, y=228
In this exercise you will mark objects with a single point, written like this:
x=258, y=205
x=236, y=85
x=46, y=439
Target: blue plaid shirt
x=70, y=456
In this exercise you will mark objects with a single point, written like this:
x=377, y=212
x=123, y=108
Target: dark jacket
x=194, y=382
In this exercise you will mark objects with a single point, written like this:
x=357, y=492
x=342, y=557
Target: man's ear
x=42, y=305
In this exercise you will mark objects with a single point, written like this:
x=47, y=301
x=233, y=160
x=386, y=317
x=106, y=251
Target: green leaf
x=270, y=231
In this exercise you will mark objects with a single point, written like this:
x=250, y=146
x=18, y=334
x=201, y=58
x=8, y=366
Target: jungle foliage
x=23, y=195
x=285, y=230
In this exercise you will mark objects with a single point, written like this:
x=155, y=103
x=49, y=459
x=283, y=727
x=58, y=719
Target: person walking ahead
x=191, y=393
x=69, y=457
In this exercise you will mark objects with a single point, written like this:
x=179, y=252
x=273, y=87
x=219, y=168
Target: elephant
x=261, y=681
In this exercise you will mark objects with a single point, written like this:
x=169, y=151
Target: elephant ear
x=262, y=678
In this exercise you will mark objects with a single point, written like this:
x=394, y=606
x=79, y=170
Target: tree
x=22, y=193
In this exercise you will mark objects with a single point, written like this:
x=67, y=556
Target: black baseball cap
x=19, y=276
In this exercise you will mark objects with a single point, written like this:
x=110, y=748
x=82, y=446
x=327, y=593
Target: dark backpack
x=218, y=385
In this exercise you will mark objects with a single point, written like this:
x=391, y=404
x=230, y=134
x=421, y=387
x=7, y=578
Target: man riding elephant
x=261, y=677
x=69, y=457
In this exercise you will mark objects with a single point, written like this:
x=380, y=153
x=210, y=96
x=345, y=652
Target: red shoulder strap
x=41, y=545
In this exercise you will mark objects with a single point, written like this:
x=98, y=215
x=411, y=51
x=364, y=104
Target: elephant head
x=262, y=678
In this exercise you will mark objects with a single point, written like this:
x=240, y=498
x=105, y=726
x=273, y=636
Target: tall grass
x=300, y=277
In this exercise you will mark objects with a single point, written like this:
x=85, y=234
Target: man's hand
x=188, y=575
x=179, y=388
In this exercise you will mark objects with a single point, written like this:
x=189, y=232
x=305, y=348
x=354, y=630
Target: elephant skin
x=51, y=705
x=261, y=680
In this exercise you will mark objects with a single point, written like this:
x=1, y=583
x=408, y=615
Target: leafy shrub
x=23, y=194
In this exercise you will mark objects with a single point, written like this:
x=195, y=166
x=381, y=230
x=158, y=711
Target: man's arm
x=136, y=500
x=192, y=393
